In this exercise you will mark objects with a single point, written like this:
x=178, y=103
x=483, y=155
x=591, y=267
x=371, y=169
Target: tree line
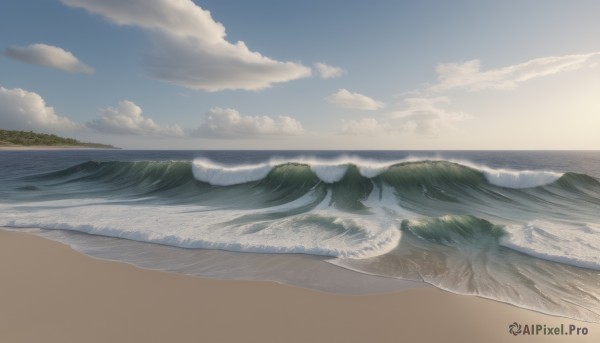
x=28, y=138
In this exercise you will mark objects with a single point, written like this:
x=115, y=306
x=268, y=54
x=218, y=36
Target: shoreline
x=51, y=293
x=51, y=147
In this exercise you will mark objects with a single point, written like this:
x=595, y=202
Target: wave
x=328, y=171
x=353, y=187
x=468, y=255
x=520, y=179
x=423, y=187
x=450, y=229
x=457, y=225
x=288, y=228
x=576, y=245
x=219, y=175
x=426, y=187
x=164, y=174
x=276, y=189
x=331, y=171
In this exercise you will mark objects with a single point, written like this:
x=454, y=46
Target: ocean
x=521, y=227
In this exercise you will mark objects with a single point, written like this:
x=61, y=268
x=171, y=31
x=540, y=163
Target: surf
x=441, y=221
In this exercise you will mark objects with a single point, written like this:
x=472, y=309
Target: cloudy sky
x=312, y=74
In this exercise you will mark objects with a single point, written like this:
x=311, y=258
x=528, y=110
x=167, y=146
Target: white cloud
x=191, y=47
x=468, y=75
x=48, y=56
x=229, y=123
x=426, y=116
x=344, y=98
x=23, y=110
x=127, y=119
x=363, y=127
x=329, y=72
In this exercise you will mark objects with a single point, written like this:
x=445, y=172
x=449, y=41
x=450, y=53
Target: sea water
x=518, y=227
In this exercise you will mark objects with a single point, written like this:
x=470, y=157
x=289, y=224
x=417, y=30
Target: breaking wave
x=460, y=226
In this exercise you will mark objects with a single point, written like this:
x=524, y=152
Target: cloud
x=362, y=127
x=229, y=123
x=329, y=72
x=344, y=98
x=127, y=119
x=468, y=75
x=23, y=110
x=191, y=50
x=426, y=116
x=48, y=56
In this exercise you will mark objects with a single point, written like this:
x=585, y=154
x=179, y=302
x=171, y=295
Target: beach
x=405, y=172
x=51, y=293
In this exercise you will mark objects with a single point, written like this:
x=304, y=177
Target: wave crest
x=331, y=171
x=220, y=175
x=520, y=179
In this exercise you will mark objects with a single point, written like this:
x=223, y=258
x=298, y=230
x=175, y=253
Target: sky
x=333, y=75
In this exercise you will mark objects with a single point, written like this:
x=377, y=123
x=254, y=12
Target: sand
x=51, y=293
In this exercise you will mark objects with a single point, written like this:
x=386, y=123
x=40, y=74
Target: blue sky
x=308, y=75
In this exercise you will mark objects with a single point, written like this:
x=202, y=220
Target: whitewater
x=521, y=228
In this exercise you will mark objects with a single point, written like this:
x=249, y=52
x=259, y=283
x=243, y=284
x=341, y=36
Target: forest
x=30, y=138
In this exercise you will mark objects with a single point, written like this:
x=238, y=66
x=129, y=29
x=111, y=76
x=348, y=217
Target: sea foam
x=220, y=175
x=577, y=245
x=518, y=179
x=328, y=171
x=324, y=231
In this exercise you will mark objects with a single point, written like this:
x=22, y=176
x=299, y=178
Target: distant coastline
x=29, y=140
x=52, y=147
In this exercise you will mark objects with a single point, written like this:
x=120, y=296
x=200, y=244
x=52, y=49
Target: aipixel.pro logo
x=516, y=329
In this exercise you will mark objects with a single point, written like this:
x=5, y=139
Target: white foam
x=333, y=170
x=188, y=226
x=508, y=178
x=329, y=171
x=520, y=179
x=219, y=175
x=577, y=245
x=383, y=201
